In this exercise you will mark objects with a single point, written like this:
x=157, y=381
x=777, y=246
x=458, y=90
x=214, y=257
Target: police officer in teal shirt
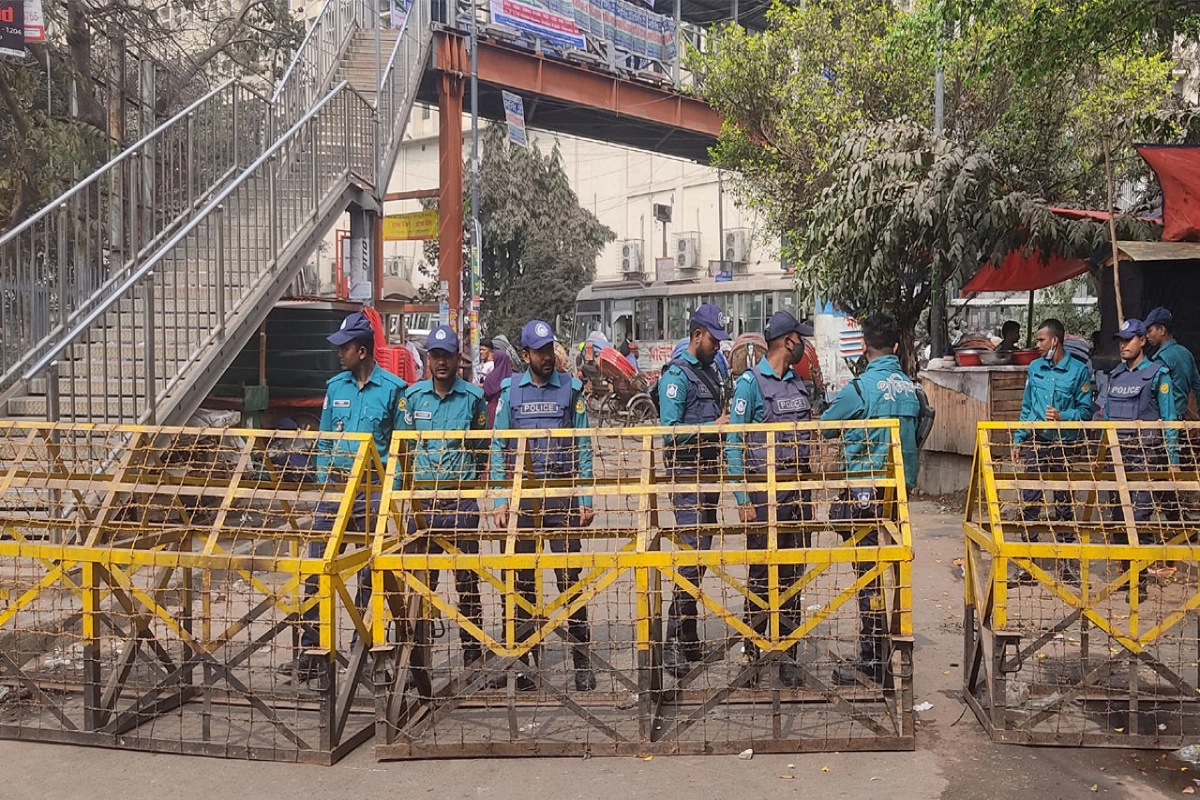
x=545, y=399
x=1140, y=389
x=363, y=398
x=1058, y=388
x=1185, y=381
x=445, y=402
x=771, y=391
x=690, y=393
x=883, y=391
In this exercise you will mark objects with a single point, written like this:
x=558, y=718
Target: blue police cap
x=782, y=323
x=354, y=327
x=536, y=334
x=1131, y=328
x=442, y=337
x=708, y=316
x=1158, y=316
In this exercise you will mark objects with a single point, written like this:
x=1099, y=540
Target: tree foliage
x=829, y=126
x=75, y=100
x=539, y=246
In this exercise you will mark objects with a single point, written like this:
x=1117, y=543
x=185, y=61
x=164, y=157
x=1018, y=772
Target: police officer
x=690, y=393
x=1185, y=381
x=445, y=402
x=1140, y=389
x=1058, y=388
x=545, y=398
x=773, y=392
x=362, y=398
x=883, y=391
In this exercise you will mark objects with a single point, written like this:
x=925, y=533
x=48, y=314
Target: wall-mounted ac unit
x=737, y=245
x=396, y=267
x=687, y=252
x=630, y=257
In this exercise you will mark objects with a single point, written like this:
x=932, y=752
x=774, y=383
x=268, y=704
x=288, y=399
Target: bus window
x=588, y=318
x=787, y=302
x=752, y=311
x=679, y=312
x=647, y=319
x=622, y=322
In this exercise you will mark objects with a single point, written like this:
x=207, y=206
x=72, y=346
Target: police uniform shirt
x=1066, y=386
x=673, y=397
x=883, y=391
x=747, y=409
x=503, y=421
x=375, y=408
x=462, y=409
x=1185, y=379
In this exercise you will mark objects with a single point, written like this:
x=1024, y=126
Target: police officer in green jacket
x=445, y=402
x=1058, y=388
x=362, y=398
x=883, y=391
x=1185, y=381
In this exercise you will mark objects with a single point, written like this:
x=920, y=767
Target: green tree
x=539, y=246
x=76, y=100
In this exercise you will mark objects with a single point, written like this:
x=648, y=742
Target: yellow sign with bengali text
x=408, y=227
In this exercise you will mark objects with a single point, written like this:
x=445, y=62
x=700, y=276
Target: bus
x=656, y=315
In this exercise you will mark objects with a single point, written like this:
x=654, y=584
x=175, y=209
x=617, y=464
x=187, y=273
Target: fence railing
x=310, y=75
x=1081, y=560
x=131, y=353
x=60, y=263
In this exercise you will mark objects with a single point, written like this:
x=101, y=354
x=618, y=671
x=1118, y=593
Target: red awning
x=1178, y=171
x=1024, y=273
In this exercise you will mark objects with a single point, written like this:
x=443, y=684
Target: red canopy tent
x=1024, y=273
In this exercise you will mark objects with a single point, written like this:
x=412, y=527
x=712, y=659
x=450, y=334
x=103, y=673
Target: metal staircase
x=127, y=298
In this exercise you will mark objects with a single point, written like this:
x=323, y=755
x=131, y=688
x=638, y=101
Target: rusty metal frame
x=412, y=705
x=96, y=555
x=996, y=650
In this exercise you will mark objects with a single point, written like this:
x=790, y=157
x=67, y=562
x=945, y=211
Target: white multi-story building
x=621, y=186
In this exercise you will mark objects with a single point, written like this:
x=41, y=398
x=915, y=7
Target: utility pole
x=473, y=317
x=937, y=296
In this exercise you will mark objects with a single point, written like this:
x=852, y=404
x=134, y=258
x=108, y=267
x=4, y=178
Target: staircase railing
x=213, y=271
x=399, y=82
x=56, y=265
x=311, y=72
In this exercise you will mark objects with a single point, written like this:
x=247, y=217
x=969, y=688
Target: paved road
x=954, y=758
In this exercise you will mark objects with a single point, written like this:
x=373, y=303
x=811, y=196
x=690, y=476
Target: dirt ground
x=954, y=758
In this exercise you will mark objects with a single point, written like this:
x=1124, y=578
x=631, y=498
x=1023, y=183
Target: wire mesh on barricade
x=595, y=591
x=186, y=590
x=1081, y=584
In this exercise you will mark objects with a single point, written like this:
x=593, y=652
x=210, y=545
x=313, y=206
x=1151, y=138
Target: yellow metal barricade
x=1081, y=596
x=487, y=630
x=155, y=582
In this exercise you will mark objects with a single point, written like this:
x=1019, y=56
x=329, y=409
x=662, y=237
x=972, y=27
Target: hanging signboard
x=35, y=23
x=514, y=115
x=537, y=17
x=418, y=225
x=12, y=28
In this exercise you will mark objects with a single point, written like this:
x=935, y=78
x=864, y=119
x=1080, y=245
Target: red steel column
x=450, y=197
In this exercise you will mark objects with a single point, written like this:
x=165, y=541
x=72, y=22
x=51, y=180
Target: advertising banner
x=35, y=23
x=399, y=12
x=418, y=225
x=12, y=28
x=539, y=18
x=514, y=115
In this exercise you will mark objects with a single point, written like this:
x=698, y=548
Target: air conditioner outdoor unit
x=396, y=267
x=687, y=251
x=631, y=256
x=736, y=245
